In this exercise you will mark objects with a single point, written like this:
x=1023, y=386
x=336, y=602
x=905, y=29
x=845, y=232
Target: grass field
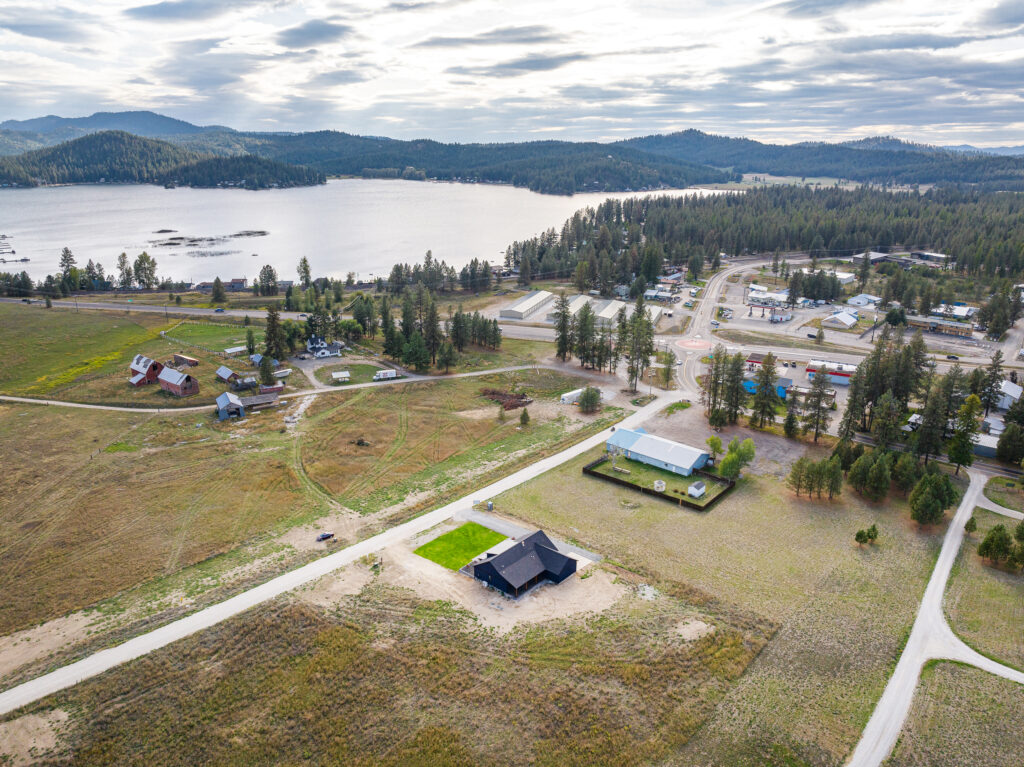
x=1005, y=492
x=426, y=439
x=215, y=336
x=456, y=548
x=985, y=605
x=128, y=498
x=84, y=356
x=513, y=351
x=675, y=484
x=962, y=716
x=389, y=679
x=752, y=337
x=792, y=562
x=361, y=372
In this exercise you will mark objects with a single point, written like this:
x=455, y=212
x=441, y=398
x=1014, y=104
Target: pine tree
x=766, y=397
x=834, y=477
x=217, y=296
x=961, y=446
x=266, y=371
x=791, y=426
x=563, y=328
x=415, y=353
x=447, y=356
x=878, y=480
x=250, y=341
x=797, y=479
x=432, y=334
x=524, y=418
x=274, y=338
x=816, y=406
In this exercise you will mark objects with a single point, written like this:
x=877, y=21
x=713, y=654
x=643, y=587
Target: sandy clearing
x=28, y=738
x=330, y=589
x=595, y=593
x=692, y=630
x=38, y=642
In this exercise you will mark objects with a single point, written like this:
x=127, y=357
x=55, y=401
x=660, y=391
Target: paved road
x=930, y=638
x=104, y=660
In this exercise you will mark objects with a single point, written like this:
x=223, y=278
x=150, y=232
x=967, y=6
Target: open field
x=426, y=440
x=767, y=339
x=215, y=336
x=645, y=476
x=962, y=716
x=361, y=372
x=84, y=357
x=129, y=498
x=1005, y=492
x=793, y=562
x=456, y=548
x=384, y=677
x=513, y=351
x=985, y=605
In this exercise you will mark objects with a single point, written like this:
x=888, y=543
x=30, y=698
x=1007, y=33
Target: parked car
x=219, y=310
x=715, y=323
x=952, y=357
x=324, y=537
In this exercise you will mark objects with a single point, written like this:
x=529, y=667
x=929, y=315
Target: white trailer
x=385, y=375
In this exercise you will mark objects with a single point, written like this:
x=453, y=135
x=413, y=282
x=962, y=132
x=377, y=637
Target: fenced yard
x=640, y=476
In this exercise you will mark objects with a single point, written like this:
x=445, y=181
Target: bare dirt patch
x=330, y=589
x=29, y=738
x=593, y=594
x=30, y=645
x=692, y=630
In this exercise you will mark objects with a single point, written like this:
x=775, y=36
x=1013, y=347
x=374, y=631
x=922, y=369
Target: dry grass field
x=793, y=562
x=962, y=716
x=1005, y=492
x=430, y=439
x=985, y=605
x=386, y=678
x=95, y=502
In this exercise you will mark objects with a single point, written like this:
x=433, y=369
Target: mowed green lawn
x=45, y=349
x=361, y=372
x=457, y=548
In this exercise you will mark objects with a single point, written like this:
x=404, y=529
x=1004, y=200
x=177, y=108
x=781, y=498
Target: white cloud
x=929, y=70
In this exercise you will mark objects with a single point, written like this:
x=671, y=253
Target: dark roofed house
x=526, y=563
x=143, y=370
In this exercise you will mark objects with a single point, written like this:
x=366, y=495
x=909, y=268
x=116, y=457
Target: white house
x=1009, y=392
x=840, y=320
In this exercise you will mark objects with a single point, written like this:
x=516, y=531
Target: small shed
x=229, y=405
x=697, y=489
x=341, y=376
x=249, y=382
x=258, y=401
x=178, y=383
x=275, y=389
x=226, y=374
x=143, y=370
x=233, y=350
x=184, y=360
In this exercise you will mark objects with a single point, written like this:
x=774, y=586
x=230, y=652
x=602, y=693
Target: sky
x=482, y=70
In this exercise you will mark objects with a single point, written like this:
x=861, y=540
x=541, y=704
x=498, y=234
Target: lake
x=364, y=226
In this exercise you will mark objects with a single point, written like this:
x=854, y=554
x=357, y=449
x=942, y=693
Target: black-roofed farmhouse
x=525, y=564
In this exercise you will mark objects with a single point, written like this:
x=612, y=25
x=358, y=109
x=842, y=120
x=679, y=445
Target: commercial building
x=782, y=385
x=840, y=321
x=845, y=278
x=837, y=372
x=938, y=325
x=958, y=312
x=528, y=305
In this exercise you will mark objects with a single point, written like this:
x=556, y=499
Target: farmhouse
x=528, y=305
x=523, y=565
x=143, y=370
x=177, y=383
x=638, y=445
x=236, y=285
x=184, y=360
x=319, y=347
x=226, y=374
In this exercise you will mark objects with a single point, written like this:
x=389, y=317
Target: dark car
x=952, y=357
x=324, y=537
x=219, y=310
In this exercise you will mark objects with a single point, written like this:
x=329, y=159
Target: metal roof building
x=528, y=305
x=638, y=445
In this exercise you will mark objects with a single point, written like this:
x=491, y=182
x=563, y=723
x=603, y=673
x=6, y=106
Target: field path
x=97, y=663
x=931, y=638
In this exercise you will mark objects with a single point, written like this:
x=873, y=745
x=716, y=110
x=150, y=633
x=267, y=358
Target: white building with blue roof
x=638, y=445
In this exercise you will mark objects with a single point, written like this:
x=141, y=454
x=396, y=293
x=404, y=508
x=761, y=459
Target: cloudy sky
x=484, y=70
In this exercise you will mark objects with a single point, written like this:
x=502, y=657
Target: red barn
x=144, y=370
x=177, y=383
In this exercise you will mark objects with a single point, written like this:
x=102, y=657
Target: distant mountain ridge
x=686, y=158
x=120, y=157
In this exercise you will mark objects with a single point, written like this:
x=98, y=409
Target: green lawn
x=215, y=336
x=457, y=548
x=361, y=373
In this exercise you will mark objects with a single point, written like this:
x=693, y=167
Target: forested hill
x=553, y=167
x=119, y=157
x=857, y=163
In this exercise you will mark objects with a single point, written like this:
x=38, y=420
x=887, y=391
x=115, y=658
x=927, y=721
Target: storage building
x=840, y=321
x=178, y=383
x=528, y=305
x=638, y=445
x=226, y=374
x=184, y=360
x=143, y=370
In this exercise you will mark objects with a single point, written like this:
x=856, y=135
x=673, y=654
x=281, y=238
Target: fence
x=681, y=500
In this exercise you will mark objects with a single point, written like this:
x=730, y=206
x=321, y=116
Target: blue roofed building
x=781, y=384
x=638, y=445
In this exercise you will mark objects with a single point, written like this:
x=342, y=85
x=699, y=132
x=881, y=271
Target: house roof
x=1011, y=389
x=658, y=448
x=228, y=398
x=137, y=378
x=225, y=372
x=534, y=555
x=172, y=376
x=842, y=318
x=141, y=363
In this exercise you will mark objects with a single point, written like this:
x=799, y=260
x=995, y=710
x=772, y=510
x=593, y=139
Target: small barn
x=274, y=389
x=178, y=383
x=249, y=382
x=226, y=374
x=143, y=370
x=257, y=358
x=183, y=360
x=229, y=405
x=523, y=565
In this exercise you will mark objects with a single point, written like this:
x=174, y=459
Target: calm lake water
x=357, y=225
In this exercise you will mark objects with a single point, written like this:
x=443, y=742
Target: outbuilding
x=523, y=565
x=840, y=320
x=178, y=383
x=638, y=445
x=143, y=370
x=528, y=305
x=184, y=360
x=229, y=405
x=226, y=374
x=1009, y=393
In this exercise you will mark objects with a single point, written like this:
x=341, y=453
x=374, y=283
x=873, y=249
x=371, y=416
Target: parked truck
x=385, y=375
